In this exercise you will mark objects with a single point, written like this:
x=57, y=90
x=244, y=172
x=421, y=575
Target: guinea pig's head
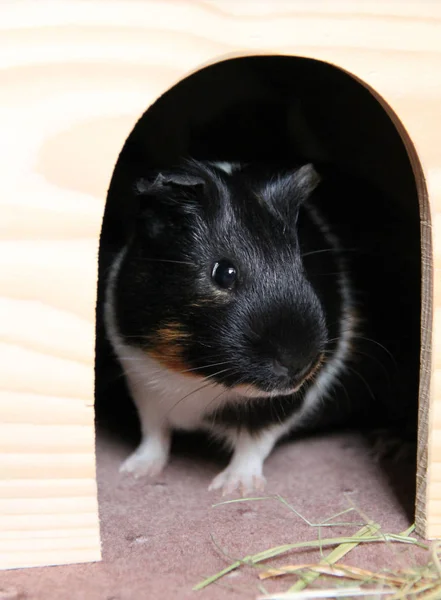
x=213, y=283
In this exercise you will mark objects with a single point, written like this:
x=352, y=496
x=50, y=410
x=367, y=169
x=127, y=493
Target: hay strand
x=419, y=583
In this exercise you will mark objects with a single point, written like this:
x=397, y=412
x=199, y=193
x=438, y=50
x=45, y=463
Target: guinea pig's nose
x=281, y=366
x=287, y=365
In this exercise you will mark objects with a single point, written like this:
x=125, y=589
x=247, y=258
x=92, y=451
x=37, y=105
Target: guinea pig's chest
x=183, y=399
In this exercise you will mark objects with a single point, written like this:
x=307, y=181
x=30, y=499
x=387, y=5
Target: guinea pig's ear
x=304, y=181
x=182, y=191
x=164, y=200
x=183, y=182
x=287, y=192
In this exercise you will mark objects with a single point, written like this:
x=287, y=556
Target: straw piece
x=334, y=556
x=279, y=550
x=334, y=570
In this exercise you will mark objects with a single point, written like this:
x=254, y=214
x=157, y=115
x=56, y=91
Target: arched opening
x=281, y=109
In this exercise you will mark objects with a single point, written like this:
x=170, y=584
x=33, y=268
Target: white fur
x=245, y=469
x=227, y=167
x=167, y=400
x=328, y=375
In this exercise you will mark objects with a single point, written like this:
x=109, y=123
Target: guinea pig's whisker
x=199, y=389
x=366, y=339
x=275, y=411
x=335, y=339
x=218, y=364
x=378, y=362
x=164, y=260
x=325, y=274
x=362, y=379
x=339, y=382
x=205, y=345
x=135, y=359
x=323, y=250
x=208, y=382
x=208, y=377
x=214, y=400
x=142, y=359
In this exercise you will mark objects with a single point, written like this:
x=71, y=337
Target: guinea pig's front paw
x=247, y=480
x=146, y=461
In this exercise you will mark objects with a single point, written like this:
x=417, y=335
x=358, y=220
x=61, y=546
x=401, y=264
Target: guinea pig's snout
x=281, y=366
x=295, y=369
x=289, y=346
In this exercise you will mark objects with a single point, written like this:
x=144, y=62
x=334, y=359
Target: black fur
x=194, y=216
x=287, y=299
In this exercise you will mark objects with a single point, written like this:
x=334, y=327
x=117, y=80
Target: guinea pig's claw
x=259, y=483
x=144, y=463
x=231, y=481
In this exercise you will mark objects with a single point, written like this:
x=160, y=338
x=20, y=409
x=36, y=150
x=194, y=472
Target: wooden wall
x=74, y=79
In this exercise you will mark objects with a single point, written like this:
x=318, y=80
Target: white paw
x=246, y=480
x=146, y=461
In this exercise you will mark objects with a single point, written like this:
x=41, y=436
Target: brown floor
x=157, y=537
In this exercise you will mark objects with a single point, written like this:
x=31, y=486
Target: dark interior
x=265, y=108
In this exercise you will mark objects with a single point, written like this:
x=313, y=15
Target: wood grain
x=75, y=77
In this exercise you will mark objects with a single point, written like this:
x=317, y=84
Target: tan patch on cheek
x=168, y=347
x=216, y=298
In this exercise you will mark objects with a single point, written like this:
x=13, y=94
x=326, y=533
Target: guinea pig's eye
x=224, y=274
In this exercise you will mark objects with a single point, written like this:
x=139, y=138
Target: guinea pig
x=230, y=310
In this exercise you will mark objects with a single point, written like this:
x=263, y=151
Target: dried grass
x=332, y=578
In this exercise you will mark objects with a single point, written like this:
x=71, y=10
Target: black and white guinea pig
x=230, y=311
